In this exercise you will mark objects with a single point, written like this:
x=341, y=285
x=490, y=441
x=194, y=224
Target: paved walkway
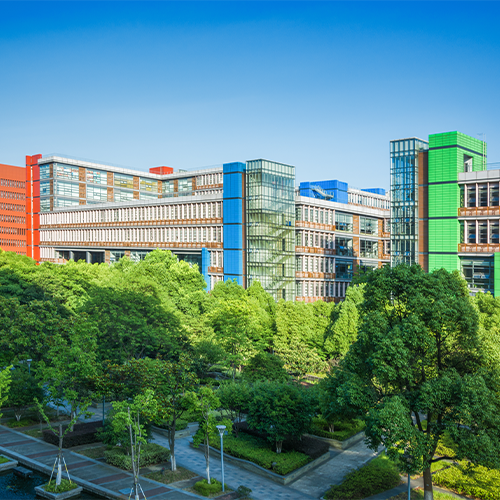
x=101, y=479
x=317, y=481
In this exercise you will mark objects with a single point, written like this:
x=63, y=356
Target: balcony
x=478, y=211
x=478, y=248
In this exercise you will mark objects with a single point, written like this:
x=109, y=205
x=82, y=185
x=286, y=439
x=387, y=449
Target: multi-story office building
x=13, y=209
x=242, y=220
x=457, y=202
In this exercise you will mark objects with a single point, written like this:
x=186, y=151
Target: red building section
x=32, y=175
x=13, y=209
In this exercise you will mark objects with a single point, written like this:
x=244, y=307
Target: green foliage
x=343, y=429
x=3, y=460
x=66, y=485
x=208, y=489
x=24, y=422
x=419, y=351
x=478, y=482
x=280, y=410
x=234, y=400
x=243, y=491
x=378, y=475
x=180, y=424
x=5, y=381
x=257, y=450
x=151, y=454
x=345, y=321
x=24, y=389
x=265, y=366
x=206, y=354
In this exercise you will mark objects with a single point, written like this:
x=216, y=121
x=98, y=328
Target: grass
x=418, y=494
x=167, y=476
x=4, y=460
x=379, y=475
x=65, y=485
x=95, y=453
x=24, y=422
x=342, y=430
x=36, y=433
x=260, y=452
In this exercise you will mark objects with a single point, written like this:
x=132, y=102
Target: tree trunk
x=279, y=444
x=171, y=438
x=59, y=458
x=18, y=413
x=207, y=458
x=331, y=428
x=428, y=493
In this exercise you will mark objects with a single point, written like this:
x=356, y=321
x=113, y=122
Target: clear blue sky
x=322, y=86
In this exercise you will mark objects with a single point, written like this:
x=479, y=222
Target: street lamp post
x=29, y=365
x=221, y=429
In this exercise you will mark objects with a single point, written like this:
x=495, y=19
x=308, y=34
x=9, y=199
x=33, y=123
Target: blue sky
x=323, y=86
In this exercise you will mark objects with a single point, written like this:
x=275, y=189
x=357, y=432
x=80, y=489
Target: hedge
x=151, y=453
x=480, y=483
x=258, y=451
x=378, y=475
x=343, y=430
x=310, y=446
x=205, y=489
x=66, y=485
x=24, y=422
x=82, y=434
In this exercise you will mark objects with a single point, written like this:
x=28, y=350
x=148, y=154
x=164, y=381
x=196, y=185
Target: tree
x=205, y=401
x=265, y=366
x=24, y=390
x=234, y=401
x=280, y=410
x=127, y=417
x=345, y=321
x=5, y=380
x=418, y=369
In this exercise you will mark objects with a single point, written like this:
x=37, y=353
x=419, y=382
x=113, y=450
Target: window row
x=12, y=195
x=209, y=179
x=368, y=201
x=13, y=219
x=479, y=195
x=158, y=212
x=12, y=184
x=12, y=243
x=13, y=230
x=13, y=207
x=146, y=235
x=482, y=232
x=321, y=289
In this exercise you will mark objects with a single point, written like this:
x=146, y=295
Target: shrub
x=265, y=366
x=3, y=460
x=205, y=489
x=66, y=485
x=343, y=430
x=151, y=453
x=243, y=491
x=258, y=451
x=82, y=434
x=378, y=475
x=478, y=482
x=24, y=422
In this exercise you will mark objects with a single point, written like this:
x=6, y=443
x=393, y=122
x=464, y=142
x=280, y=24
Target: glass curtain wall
x=270, y=227
x=404, y=199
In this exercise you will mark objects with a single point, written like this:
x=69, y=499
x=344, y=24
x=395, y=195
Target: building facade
x=13, y=209
x=243, y=220
x=457, y=202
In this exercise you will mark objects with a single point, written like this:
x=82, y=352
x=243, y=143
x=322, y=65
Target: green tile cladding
x=496, y=273
x=447, y=154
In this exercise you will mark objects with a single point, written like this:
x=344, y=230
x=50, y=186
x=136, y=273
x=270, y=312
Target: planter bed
x=9, y=464
x=190, y=429
x=58, y=496
x=340, y=445
x=257, y=469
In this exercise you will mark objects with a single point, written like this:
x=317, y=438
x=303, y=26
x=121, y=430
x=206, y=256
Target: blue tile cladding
x=375, y=191
x=333, y=190
x=205, y=262
x=233, y=207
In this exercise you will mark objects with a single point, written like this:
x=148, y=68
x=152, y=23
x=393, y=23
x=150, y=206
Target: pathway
x=100, y=478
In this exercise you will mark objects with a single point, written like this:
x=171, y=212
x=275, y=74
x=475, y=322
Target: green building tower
x=450, y=154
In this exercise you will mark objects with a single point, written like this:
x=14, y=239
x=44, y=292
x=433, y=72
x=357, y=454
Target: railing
x=322, y=251
x=478, y=211
x=307, y=274
x=478, y=248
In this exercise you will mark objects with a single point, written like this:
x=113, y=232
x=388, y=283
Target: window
x=494, y=232
x=343, y=269
x=479, y=273
x=185, y=184
x=67, y=189
x=97, y=193
x=483, y=232
x=344, y=246
x=343, y=222
x=123, y=195
x=44, y=172
x=368, y=226
x=124, y=181
x=471, y=232
x=148, y=185
x=368, y=249
x=471, y=195
x=45, y=188
x=66, y=172
x=483, y=195
x=493, y=195
x=97, y=176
